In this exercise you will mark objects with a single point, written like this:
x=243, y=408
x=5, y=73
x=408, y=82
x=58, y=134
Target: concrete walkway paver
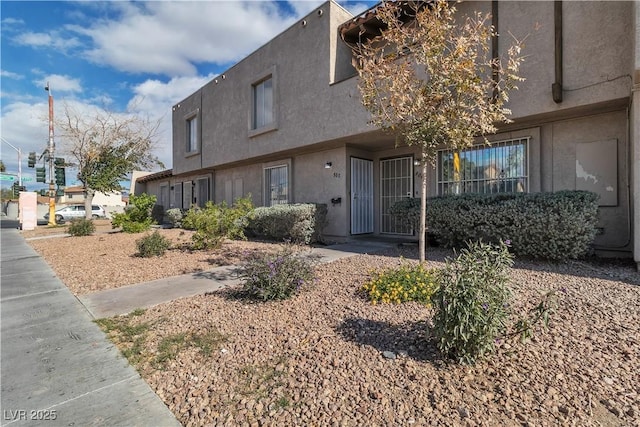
x=123, y=300
x=58, y=368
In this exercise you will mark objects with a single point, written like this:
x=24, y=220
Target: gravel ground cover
x=108, y=259
x=328, y=357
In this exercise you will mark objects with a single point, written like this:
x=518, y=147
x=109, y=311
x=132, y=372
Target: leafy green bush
x=298, y=223
x=215, y=222
x=409, y=282
x=470, y=304
x=557, y=226
x=175, y=215
x=407, y=210
x=151, y=245
x=81, y=227
x=136, y=217
x=276, y=276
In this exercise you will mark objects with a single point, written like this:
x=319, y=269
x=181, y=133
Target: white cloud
x=170, y=37
x=10, y=75
x=302, y=8
x=12, y=21
x=154, y=99
x=24, y=125
x=47, y=40
x=59, y=83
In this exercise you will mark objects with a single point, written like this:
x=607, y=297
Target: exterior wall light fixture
x=328, y=165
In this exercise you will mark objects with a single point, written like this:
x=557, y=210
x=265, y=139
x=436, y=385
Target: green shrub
x=151, y=245
x=215, y=222
x=409, y=282
x=136, y=217
x=557, y=226
x=276, y=276
x=298, y=223
x=470, y=304
x=81, y=227
x=175, y=215
x=407, y=211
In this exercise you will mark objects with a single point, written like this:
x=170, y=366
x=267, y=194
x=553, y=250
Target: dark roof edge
x=155, y=176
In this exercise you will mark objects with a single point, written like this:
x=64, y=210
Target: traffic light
x=41, y=174
x=16, y=189
x=32, y=159
x=60, y=172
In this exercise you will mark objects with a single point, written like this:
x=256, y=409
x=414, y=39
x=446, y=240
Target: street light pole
x=19, y=160
x=52, y=190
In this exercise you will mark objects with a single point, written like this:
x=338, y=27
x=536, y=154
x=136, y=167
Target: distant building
x=75, y=195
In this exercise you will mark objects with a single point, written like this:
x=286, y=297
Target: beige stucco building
x=286, y=124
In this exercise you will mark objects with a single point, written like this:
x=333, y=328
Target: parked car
x=70, y=212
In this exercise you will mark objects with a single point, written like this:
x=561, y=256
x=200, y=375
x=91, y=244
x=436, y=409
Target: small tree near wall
x=432, y=80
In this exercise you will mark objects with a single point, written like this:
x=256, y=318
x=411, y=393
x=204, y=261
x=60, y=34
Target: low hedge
x=556, y=226
x=299, y=223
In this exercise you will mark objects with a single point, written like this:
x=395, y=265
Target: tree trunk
x=88, y=202
x=422, y=247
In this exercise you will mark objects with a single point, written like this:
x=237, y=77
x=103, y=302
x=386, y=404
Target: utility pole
x=52, y=188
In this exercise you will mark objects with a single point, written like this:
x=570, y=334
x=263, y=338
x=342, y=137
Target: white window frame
x=256, y=125
x=192, y=133
x=268, y=200
x=514, y=180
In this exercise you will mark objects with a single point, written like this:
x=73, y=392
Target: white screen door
x=361, y=196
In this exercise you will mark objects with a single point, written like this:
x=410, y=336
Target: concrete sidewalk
x=58, y=368
x=123, y=300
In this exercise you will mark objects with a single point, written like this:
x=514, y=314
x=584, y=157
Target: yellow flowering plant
x=409, y=282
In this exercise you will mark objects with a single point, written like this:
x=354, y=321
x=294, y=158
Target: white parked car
x=70, y=212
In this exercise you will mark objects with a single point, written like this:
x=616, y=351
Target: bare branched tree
x=430, y=79
x=106, y=147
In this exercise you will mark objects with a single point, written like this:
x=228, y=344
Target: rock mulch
x=327, y=357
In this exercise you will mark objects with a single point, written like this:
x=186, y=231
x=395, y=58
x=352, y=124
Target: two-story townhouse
x=286, y=124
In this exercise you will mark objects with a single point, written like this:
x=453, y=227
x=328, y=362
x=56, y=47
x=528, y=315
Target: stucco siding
x=313, y=183
x=596, y=62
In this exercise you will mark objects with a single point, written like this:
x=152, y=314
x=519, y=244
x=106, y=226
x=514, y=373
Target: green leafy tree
x=431, y=80
x=3, y=168
x=106, y=147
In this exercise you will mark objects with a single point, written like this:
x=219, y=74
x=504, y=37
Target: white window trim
x=187, y=119
x=272, y=165
x=270, y=73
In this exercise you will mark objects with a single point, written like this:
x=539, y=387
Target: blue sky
x=124, y=56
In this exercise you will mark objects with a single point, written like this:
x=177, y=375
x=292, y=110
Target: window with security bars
x=276, y=185
x=502, y=167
